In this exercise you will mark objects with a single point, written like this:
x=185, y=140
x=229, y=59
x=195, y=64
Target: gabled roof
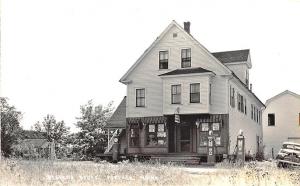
x=173, y=23
x=118, y=119
x=186, y=71
x=232, y=56
x=281, y=94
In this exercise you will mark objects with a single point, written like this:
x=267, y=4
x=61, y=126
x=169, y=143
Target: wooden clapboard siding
x=220, y=96
x=186, y=107
x=145, y=75
x=239, y=69
x=239, y=121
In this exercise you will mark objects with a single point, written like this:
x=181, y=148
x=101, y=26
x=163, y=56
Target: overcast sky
x=58, y=54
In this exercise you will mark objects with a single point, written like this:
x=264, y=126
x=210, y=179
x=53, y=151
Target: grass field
x=14, y=172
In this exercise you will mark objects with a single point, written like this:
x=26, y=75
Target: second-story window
x=185, y=58
x=140, y=97
x=163, y=59
x=232, y=97
x=195, y=93
x=176, y=94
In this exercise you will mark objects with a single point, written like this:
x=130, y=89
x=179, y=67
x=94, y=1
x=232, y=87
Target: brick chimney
x=187, y=26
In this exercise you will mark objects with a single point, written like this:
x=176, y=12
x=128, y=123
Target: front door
x=183, y=142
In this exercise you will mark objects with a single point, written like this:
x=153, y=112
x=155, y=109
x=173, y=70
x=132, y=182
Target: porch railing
x=111, y=140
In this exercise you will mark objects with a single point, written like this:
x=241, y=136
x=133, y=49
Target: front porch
x=162, y=138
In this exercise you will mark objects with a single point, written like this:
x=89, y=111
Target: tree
x=10, y=126
x=56, y=131
x=92, y=137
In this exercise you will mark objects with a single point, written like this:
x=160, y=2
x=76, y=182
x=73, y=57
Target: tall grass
x=15, y=172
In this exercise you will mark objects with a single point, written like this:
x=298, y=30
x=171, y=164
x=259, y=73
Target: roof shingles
x=232, y=56
x=118, y=119
x=185, y=71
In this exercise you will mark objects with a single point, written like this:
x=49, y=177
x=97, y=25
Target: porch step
x=190, y=160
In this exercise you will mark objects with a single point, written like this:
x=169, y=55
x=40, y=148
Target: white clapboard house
x=281, y=122
x=177, y=91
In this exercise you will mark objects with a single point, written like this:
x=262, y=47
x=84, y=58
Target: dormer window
x=163, y=59
x=185, y=58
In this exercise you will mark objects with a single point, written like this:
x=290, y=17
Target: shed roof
x=118, y=119
x=185, y=71
x=232, y=56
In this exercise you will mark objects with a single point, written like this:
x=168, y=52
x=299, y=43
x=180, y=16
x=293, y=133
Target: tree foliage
x=91, y=138
x=10, y=126
x=56, y=131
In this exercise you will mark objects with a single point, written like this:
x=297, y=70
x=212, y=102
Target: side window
x=163, y=59
x=185, y=58
x=245, y=111
x=271, y=119
x=195, y=93
x=140, y=97
x=232, y=97
x=176, y=94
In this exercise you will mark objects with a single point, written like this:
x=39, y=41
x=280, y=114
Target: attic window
x=174, y=35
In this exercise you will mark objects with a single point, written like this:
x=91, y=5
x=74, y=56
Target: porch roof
x=186, y=71
x=118, y=119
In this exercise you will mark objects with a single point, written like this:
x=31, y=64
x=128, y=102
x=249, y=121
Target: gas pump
x=240, y=153
x=115, y=150
x=211, y=157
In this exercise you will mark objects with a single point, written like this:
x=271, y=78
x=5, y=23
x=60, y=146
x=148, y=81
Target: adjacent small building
x=281, y=122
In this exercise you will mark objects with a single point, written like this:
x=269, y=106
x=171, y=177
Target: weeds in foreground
x=16, y=172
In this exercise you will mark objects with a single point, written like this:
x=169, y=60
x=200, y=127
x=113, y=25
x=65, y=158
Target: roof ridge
x=231, y=51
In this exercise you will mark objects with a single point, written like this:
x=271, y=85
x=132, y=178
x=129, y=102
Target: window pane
x=195, y=88
x=185, y=58
x=195, y=97
x=163, y=59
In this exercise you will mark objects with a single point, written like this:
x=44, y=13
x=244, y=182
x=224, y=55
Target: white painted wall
x=186, y=107
x=219, y=101
x=145, y=75
x=239, y=69
x=286, y=109
x=239, y=121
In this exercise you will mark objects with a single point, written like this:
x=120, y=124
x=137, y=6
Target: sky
x=56, y=55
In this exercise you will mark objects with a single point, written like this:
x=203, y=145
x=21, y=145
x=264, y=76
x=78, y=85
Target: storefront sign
x=161, y=128
x=161, y=134
x=216, y=126
x=204, y=127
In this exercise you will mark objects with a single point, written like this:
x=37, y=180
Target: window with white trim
x=140, y=97
x=176, y=94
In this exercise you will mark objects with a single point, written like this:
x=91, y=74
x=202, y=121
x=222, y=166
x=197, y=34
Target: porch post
x=108, y=138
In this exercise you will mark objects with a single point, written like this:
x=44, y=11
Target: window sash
x=176, y=94
x=185, y=58
x=163, y=59
x=195, y=93
x=140, y=97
